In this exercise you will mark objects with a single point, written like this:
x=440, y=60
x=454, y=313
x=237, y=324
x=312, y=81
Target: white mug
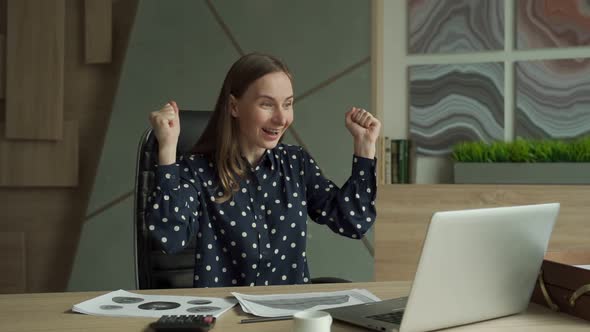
x=312, y=321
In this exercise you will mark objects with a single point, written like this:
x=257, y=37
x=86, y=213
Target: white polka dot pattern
x=258, y=237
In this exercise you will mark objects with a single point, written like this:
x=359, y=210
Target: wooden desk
x=51, y=312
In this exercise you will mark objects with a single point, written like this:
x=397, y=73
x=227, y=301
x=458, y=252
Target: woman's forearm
x=364, y=149
x=167, y=155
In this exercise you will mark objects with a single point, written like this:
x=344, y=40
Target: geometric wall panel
x=552, y=23
x=552, y=98
x=325, y=22
x=455, y=26
x=201, y=35
x=454, y=103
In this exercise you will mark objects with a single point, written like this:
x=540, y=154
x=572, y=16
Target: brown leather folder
x=562, y=286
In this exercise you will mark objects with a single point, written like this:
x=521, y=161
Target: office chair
x=153, y=268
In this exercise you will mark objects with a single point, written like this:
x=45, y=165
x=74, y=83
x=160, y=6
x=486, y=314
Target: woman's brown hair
x=220, y=140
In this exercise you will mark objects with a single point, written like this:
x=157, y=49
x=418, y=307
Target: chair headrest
x=192, y=125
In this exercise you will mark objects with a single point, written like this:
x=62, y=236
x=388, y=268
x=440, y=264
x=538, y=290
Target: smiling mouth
x=271, y=131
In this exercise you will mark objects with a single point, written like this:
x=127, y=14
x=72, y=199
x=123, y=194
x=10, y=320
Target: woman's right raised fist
x=166, y=125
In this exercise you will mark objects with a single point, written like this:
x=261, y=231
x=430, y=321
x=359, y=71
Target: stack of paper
x=287, y=304
x=125, y=304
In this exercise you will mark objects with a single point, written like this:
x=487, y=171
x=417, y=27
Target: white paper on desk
x=287, y=304
x=121, y=303
x=585, y=267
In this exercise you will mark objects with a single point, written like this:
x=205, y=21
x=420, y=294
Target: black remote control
x=183, y=323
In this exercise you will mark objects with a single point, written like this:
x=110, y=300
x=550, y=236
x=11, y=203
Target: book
x=394, y=170
x=387, y=160
x=402, y=160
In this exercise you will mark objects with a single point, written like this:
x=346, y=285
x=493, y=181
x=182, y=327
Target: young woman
x=243, y=194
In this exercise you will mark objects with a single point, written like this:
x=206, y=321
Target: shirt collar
x=267, y=161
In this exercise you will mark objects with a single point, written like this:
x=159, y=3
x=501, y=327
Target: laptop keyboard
x=390, y=317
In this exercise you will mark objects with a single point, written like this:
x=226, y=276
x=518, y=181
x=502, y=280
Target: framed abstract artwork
x=455, y=26
x=552, y=23
x=453, y=103
x=552, y=98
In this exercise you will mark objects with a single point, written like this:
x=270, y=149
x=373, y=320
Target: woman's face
x=263, y=112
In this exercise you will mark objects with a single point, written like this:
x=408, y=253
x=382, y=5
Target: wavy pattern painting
x=552, y=98
x=455, y=26
x=454, y=103
x=552, y=23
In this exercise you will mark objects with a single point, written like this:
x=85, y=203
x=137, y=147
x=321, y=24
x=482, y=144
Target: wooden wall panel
x=12, y=262
x=39, y=209
x=404, y=212
x=2, y=55
x=98, y=31
x=51, y=217
x=48, y=261
x=2, y=111
x=40, y=163
x=2, y=66
x=35, y=69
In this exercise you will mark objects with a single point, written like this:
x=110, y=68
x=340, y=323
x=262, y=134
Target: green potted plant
x=523, y=162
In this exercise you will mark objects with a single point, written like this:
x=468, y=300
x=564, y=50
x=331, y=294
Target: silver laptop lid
x=478, y=264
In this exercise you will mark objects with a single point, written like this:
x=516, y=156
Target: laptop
x=475, y=265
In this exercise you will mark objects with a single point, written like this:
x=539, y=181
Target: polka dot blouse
x=258, y=237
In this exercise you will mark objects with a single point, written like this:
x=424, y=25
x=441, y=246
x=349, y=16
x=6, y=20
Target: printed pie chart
x=199, y=302
x=110, y=307
x=202, y=309
x=126, y=300
x=159, y=305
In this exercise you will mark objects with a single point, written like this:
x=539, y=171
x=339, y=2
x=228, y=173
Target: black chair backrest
x=153, y=268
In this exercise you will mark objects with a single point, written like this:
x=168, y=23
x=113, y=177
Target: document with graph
x=287, y=304
x=126, y=304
